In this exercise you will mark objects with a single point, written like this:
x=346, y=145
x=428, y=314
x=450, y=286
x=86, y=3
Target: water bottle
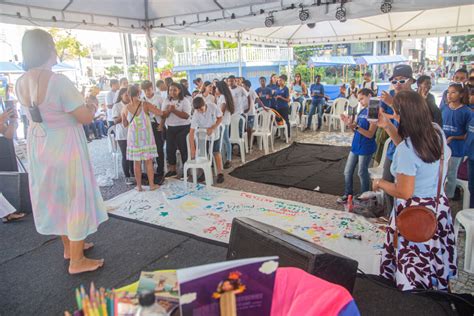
x=148, y=305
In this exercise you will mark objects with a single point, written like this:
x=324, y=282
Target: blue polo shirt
x=469, y=143
x=362, y=145
x=262, y=93
x=455, y=123
x=272, y=88
x=283, y=92
x=318, y=89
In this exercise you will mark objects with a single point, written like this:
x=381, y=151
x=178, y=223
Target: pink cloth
x=298, y=293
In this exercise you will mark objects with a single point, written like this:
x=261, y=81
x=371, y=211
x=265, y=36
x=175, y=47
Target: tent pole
x=149, y=45
x=151, y=64
x=290, y=52
x=239, y=37
x=124, y=56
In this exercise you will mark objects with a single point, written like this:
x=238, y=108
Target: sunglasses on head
x=394, y=82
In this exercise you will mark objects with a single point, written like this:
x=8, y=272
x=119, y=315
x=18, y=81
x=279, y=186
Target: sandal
x=13, y=217
x=382, y=220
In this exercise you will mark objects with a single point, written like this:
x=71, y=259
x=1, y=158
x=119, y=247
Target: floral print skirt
x=427, y=265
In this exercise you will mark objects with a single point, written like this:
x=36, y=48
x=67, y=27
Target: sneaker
x=342, y=199
x=228, y=164
x=307, y=129
x=161, y=180
x=129, y=181
x=171, y=174
x=220, y=178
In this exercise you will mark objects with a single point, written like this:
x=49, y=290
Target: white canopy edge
x=409, y=18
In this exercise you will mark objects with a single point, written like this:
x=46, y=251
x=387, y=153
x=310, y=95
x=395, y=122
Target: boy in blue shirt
x=282, y=97
x=363, y=146
x=263, y=92
x=317, y=93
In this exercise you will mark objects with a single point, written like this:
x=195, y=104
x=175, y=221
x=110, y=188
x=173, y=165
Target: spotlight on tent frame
x=304, y=14
x=386, y=6
x=341, y=14
x=311, y=25
x=269, y=20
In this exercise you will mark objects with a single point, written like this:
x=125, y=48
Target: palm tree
x=213, y=45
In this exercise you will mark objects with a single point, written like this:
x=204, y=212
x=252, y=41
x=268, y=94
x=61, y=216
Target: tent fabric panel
x=379, y=60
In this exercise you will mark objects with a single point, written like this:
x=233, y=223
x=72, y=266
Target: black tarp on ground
x=304, y=166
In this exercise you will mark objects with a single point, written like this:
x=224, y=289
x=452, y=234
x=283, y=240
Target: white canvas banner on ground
x=208, y=212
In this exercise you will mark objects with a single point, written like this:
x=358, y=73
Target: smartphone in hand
x=10, y=105
x=374, y=105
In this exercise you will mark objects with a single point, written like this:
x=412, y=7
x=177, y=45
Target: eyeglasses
x=394, y=82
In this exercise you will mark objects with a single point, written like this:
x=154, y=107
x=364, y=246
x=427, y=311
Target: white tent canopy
x=245, y=18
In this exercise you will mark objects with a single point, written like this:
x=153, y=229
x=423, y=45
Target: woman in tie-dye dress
x=65, y=197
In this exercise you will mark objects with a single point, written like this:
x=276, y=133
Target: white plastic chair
x=466, y=219
x=294, y=115
x=326, y=116
x=235, y=136
x=114, y=150
x=203, y=157
x=265, y=121
x=337, y=109
x=466, y=195
x=282, y=130
x=377, y=172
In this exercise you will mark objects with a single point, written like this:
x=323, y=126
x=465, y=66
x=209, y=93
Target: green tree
x=113, y=71
x=461, y=44
x=67, y=45
x=167, y=46
x=140, y=71
x=304, y=53
x=213, y=45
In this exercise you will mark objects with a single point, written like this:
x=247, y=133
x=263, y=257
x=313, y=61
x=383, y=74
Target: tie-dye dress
x=140, y=139
x=65, y=196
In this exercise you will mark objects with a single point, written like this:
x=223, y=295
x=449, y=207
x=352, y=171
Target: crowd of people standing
x=426, y=146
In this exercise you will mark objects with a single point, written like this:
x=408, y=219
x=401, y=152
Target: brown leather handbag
x=418, y=223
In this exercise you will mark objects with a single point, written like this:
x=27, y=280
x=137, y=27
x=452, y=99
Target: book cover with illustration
x=239, y=287
x=165, y=286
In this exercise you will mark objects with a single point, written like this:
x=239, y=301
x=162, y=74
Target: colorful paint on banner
x=208, y=212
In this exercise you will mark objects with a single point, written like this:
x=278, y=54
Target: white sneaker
x=129, y=181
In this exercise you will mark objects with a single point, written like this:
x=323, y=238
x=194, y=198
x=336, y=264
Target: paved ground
x=103, y=168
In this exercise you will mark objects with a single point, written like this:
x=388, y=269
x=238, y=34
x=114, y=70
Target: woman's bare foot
x=84, y=265
x=154, y=187
x=87, y=246
x=13, y=217
x=139, y=188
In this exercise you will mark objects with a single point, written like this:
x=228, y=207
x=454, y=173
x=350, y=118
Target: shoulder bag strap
x=441, y=170
x=136, y=111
